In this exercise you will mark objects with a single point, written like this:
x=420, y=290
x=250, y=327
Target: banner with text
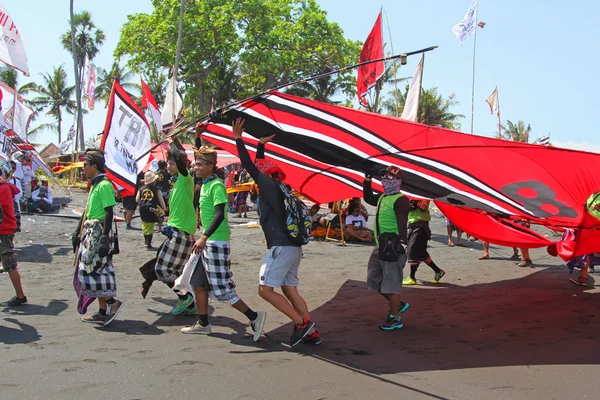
x=126, y=137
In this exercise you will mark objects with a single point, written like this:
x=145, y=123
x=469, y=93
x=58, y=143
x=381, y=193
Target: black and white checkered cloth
x=173, y=255
x=217, y=265
x=100, y=281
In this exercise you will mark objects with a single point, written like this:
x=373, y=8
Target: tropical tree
x=516, y=132
x=88, y=38
x=434, y=109
x=233, y=49
x=321, y=89
x=54, y=96
x=122, y=75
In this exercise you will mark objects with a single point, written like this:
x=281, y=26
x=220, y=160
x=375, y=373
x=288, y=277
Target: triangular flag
x=493, y=101
x=149, y=103
x=411, y=105
x=369, y=74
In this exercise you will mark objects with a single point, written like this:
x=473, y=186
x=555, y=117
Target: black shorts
x=418, y=236
x=129, y=203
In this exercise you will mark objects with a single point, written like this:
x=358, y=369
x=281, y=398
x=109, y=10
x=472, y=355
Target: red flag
x=369, y=74
x=149, y=103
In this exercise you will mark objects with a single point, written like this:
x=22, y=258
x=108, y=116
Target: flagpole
x=473, y=82
x=285, y=85
x=499, y=123
x=387, y=21
x=177, y=57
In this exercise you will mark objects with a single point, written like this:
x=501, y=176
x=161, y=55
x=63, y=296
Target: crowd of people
x=191, y=207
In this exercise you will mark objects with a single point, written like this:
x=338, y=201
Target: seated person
x=41, y=199
x=356, y=225
x=315, y=218
x=363, y=210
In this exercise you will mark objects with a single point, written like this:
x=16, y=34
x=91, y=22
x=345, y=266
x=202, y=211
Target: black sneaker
x=312, y=338
x=300, y=331
x=95, y=318
x=15, y=301
x=403, y=306
x=438, y=275
x=392, y=323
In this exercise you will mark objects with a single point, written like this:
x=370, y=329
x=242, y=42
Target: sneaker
x=191, y=310
x=182, y=305
x=198, y=329
x=129, y=227
x=112, y=310
x=581, y=281
x=525, y=263
x=300, y=331
x=438, y=276
x=95, y=318
x=391, y=323
x=258, y=325
x=408, y=281
x=15, y=301
x=2, y=270
x=312, y=338
x=403, y=307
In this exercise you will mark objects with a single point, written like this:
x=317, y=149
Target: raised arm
x=238, y=129
x=179, y=160
x=370, y=197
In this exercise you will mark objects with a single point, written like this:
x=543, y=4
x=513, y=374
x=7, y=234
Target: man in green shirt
x=94, y=244
x=418, y=236
x=213, y=275
x=180, y=228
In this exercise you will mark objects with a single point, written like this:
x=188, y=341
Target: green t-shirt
x=419, y=215
x=591, y=203
x=213, y=193
x=182, y=214
x=386, y=217
x=102, y=195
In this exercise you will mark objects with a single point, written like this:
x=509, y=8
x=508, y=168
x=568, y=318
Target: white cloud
x=594, y=148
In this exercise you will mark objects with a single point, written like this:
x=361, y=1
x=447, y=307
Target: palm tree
x=516, y=132
x=319, y=89
x=88, y=38
x=117, y=73
x=434, y=110
x=55, y=96
x=157, y=83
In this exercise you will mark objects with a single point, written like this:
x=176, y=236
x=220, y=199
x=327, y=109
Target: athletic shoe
x=191, y=310
x=15, y=302
x=112, y=310
x=312, y=338
x=581, y=281
x=403, y=307
x=182, y=305
x=391, y=323
x=95, y=318
x=258, y=325
x=197, y=329
x=408, y=281
x=2, y=269
x=300, y=331
x=438, y=276
x=525, y=263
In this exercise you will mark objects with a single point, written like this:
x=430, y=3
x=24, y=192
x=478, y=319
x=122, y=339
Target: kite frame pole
x=312, y=78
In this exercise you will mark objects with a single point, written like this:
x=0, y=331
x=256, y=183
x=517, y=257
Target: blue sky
x=542, y=55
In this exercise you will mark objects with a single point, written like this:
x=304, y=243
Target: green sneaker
x=191, y=310
x=408, y=281
x=182, y=305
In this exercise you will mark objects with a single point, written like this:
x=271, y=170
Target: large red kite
x=325, y=150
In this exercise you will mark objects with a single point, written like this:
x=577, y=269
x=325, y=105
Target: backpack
x=297, y=222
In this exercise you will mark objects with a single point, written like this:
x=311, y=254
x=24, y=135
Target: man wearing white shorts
x=280, y=266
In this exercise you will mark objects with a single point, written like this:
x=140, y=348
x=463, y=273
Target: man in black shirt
x=280, y=266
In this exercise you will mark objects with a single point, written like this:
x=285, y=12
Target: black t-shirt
x=148, y=199
x=162, y=181
x=272, y=209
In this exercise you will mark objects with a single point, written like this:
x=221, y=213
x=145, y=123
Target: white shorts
x=280, y=266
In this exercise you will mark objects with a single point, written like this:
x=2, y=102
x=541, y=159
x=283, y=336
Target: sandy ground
x=489, y=330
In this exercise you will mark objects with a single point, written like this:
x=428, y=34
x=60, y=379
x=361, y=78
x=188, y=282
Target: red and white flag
x=90, y=87
x=149, y=103
x=369, y=74
x=12, y=51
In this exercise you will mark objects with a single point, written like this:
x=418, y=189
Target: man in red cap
x=280, y=266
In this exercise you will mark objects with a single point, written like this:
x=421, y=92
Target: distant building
x=49, y=150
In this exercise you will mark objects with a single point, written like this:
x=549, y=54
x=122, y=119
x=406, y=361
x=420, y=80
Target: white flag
x=21, y=119
x=466, y=27
x=171, y=108
x=411, y=105
x=12, y=52
x=66, y=144
x=126, y=138
x=493, y=100
x=90, y=83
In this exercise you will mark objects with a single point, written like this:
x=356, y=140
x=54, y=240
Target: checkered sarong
x=99, y=281
x=173, y=255
x=216, y=263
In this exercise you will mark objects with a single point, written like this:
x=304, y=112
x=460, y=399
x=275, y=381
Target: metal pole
x=473, y=83
x=177, y=57
x=77, y=82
